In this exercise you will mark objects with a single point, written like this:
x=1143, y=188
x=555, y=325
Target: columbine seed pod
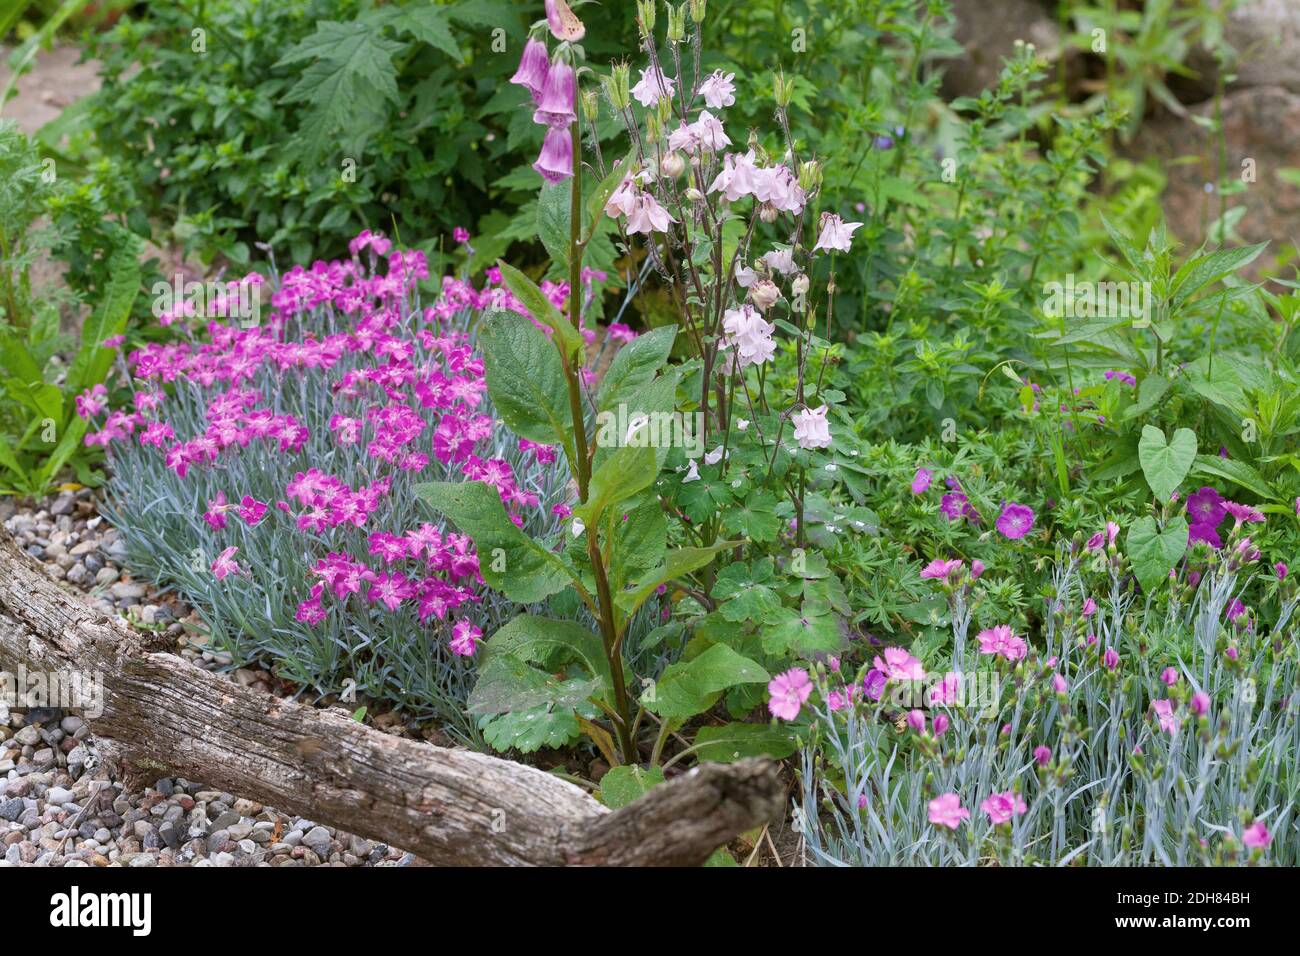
x=617, y=87
x=783, y=90
x=590, y=105
x=645, y=10
x=810, y=176
x=677, y=24
x=768, y=213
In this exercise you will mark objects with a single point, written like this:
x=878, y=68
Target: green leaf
x=1237, y=472
x=691, y=687
x=1126, y=248
x=508, y=684
x=92, y=361
x=1149, y=394
x=635, y=365
x=552, y=643
x=540, y=307
x=531, y=730
x=1201, y=271
x=732, y=742
x=526, y=381
x=509, y=560
x=1165, y=464
x=626, y=472
x=621, y=785
x=428, y=24
x=553, y=218
x=676, y=564
x=1153, y=552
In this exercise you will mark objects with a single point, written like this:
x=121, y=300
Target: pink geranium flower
x=1016, y=521
x=921, y=482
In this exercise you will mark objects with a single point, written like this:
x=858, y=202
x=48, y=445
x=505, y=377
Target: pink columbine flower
x=921, y=482
x=788, y=692
x=939, y=569
x=1165, y=713
x=1002, y=642
x=1110, y=660
x=751, y=335
x=464, y=638
x=1016, y=521
x=1042, y=755
x=719, y=90
x=1170, y=676
x=811, y=429
x=225, y=564
x=1256, y=836
x=1001, y=807
x=837, y=235
x=647, y=216
x=1200, y=703
x=946, y=811
x=653, y=86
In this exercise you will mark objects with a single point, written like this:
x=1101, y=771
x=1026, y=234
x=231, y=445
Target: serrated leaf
x=626, y=472
x=621, y=785
x=1166, y=463
x=635, y=365
x=507, y=684
x=1153, y=552
x=553, y=643
x=530, y=730
x=676, y=564
x=553, y=218
x=529, y=573
x=525, y=380
x=541, y=309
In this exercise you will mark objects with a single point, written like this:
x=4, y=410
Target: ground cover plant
x=667, y=390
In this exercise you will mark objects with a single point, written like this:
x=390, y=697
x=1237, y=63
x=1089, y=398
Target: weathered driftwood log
x=163, y=716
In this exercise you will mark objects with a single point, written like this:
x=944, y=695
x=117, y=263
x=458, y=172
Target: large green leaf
x=1153, y=552
x=509, y=560
x=553, y=218
x=625, y=473
x=635, y=365
x=526, y=381
x=92, y=361
x=1165, y=464
x=552, y=643
x=732, y=742
x=676, y=564
x=507, y=684
x=536, y=302
x=691, y=687
x=1238, y=472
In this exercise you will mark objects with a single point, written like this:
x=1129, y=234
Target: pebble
x=58, y=796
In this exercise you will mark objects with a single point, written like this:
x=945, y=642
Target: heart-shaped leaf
x=1153, y=552
x=1166, y=464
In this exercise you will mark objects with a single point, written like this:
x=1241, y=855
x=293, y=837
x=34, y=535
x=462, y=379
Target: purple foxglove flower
x=556, y=162
x=534, y=66
x=556, y=106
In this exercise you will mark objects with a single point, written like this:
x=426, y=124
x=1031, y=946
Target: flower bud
x=768, y=213
x=645, y=10
x=810, y=176
x=617, y=87
x=698, y=10
x=764, y=294
x=677, y=23
x=800, y=285
x=783, y=90
x=694, y=195
x=590, y=105
x=672, y=165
